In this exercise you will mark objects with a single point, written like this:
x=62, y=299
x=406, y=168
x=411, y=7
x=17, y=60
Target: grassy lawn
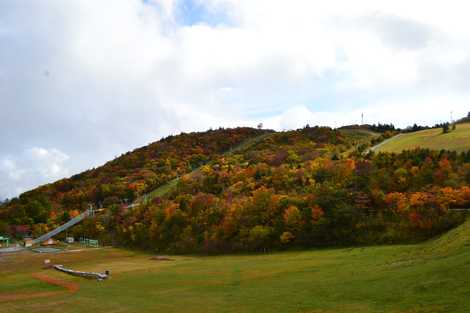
x=425, y=278
x=458, y=140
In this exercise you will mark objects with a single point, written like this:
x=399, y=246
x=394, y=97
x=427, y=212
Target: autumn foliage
x=301, y=188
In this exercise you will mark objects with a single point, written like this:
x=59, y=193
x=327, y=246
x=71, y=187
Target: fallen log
x=88, y=275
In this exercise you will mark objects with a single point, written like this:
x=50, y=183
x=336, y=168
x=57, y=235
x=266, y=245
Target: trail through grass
x=164, y=189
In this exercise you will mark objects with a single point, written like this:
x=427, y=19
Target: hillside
x=359, y=135
x=458, y=140
x=252, y=190
x=291, y=190
x=126, y=177
x=431, y=277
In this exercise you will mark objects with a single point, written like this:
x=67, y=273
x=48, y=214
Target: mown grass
x=359, y=135
x=22, y=283
x=457, y=140
x=430, y=277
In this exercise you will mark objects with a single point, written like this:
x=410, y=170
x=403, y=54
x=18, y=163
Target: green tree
x=445, y=128
x=259, y=237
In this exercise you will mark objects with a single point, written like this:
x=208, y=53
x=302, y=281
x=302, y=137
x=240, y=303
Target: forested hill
x=310, y=187
x=124, y=178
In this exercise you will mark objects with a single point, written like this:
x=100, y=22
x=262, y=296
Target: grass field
x=458, y=140
x=359, y=135
x=426, y=278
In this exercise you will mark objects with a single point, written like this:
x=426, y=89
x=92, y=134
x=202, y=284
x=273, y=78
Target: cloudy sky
x=83, y=81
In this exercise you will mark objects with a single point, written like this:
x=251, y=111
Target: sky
x=84, y=81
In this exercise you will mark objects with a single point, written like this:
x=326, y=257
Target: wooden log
x=88, y=275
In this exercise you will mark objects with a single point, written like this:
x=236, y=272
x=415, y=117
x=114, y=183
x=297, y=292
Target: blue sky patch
x=191, y=12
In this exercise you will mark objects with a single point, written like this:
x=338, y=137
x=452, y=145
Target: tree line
x=303, y=188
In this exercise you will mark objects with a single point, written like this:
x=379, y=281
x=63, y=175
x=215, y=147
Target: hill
x=431, y=277
x=253, y=190
x=457, y=140
x=126, y=177
x=359, y=135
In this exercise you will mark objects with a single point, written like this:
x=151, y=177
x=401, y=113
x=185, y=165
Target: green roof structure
x=4, y=239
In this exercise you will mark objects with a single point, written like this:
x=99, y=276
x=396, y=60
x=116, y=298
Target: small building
x=4, y=241
x=28, y=242
x=48, y=242
x=69, y=240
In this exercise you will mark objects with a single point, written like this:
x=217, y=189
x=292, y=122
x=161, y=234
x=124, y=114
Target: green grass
x=458, y=140
x=161, y=191
x=359, y=135
x=23, y=283
x=429, y=277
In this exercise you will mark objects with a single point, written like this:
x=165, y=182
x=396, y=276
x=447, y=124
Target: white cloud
x=32, y=167
x=50, y=163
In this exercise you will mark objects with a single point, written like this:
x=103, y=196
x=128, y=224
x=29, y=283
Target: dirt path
x=374, y=148
x=69, y=286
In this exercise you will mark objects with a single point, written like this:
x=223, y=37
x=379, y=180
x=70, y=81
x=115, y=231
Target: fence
x=89, y=242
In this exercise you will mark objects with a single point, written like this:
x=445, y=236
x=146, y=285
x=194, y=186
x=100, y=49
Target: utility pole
x=362, y=118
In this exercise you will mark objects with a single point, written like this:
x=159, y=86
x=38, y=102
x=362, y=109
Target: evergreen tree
x=445, y=128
